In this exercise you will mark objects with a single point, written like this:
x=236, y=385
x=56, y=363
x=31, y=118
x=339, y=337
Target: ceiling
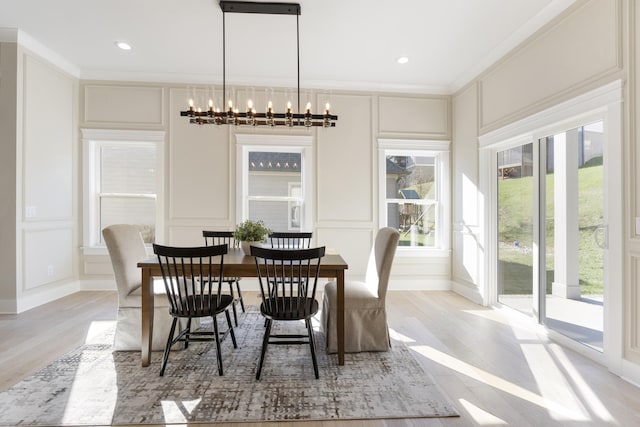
x=344, y=44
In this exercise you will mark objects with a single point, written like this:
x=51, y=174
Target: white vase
x=246, y=247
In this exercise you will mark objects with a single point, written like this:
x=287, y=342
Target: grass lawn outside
x=515, y=231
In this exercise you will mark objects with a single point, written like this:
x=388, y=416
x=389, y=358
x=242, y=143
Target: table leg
x=340, y=283
x=147, y=315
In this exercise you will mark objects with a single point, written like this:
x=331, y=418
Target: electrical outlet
x=50, y=270
x=31, y=212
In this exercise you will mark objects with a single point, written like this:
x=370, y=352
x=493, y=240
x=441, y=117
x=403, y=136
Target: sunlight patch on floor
x=83, y=394
x=523, y=327
x=497, y=382
x=550, y=380
x=481, y=416
x=97, y=330
x=400, y=337
x=593, y=403
x=177, y=411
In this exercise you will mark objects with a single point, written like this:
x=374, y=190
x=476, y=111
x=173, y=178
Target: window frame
x=440, y=151
x=302, y=144
x=92, y=141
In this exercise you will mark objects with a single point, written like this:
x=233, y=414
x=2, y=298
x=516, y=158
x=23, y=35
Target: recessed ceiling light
x=123, y=45
x=403, y=60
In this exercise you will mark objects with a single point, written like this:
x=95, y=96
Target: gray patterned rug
x=94, y=386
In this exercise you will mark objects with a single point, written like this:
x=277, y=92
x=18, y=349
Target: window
x=414, y=191
x=121, y=176
x=275, y=181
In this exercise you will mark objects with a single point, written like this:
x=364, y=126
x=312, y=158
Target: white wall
x=41, y=187
x=8, y=132
x=587, y=47
x=200, y=167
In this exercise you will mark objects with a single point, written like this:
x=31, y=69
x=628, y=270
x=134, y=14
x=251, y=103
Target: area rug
x=93, y=385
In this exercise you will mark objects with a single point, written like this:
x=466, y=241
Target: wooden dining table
x=236, y=264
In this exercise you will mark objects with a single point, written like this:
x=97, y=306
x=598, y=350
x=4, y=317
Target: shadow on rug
x=93, y=385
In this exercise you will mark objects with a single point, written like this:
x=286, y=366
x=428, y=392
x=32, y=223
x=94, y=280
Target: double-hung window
x=274, y=178
x=121, y=180
x=414, y=186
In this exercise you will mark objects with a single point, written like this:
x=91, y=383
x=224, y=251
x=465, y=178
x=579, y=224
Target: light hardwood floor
x=497, y=367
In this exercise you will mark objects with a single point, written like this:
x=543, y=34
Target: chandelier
x=230, y=115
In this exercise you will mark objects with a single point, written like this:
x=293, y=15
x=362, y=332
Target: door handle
x=601, y=236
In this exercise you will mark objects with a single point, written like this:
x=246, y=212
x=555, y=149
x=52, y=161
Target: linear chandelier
x=232, y=116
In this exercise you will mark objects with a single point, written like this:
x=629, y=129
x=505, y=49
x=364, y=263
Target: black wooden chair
x=221, y=238
x=290, y=240
x=194, y=292
x=288, y=280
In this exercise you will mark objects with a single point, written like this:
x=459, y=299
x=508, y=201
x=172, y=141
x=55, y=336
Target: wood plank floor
x=498, y=368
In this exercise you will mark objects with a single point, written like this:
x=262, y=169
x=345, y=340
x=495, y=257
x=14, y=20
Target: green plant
x=251, y=231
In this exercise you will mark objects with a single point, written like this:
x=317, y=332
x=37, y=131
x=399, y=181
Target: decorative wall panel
x=48, y=256
x=428, y=117
x=48, y=142
x=352, y=244
x=582, y=47
x=134, y=105
x=345, y=160
x=200, y=184
x=632, y=317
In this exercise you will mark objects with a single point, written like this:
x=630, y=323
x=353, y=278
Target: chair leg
x=240, y=296
x=265, y=343
x=233, y=334
x=186, y=336
x=167, y=348
x=313, y=347
x=218, y=351
x=233, y=303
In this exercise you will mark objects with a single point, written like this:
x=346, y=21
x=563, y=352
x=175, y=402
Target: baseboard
x=44, y=295
x=468, y=291
x=420, y=285
x=98, y=285
x=631, y=372
x=8, y=306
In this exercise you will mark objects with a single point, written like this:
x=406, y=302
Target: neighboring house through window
x=121, y=176
x=274, y=176
x=414, y=185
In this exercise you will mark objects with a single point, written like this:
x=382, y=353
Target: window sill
x=102, y=250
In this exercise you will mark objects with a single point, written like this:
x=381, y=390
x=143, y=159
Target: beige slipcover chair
x=126, y=249
x=364, y=302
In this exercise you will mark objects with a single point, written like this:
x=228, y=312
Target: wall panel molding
x=48, y=256
x=632, y=316
x=129, y=105
x=199, y=165
x=345, y=161
x=406, y=116
x=585, y=44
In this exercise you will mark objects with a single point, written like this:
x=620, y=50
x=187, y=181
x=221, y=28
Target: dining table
x=237, y=264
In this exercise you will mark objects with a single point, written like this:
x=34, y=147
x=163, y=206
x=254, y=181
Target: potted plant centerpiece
x=250, y=232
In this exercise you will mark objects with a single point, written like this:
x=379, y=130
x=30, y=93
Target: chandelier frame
x=251, y=117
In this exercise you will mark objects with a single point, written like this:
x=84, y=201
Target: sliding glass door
x=551, y=231
x=575, y=233
x=516, y=199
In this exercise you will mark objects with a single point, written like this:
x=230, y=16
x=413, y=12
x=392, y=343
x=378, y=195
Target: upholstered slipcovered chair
x=126, y=249
x=364, y=302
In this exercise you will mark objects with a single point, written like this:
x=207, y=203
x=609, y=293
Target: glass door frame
x=604, y=104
